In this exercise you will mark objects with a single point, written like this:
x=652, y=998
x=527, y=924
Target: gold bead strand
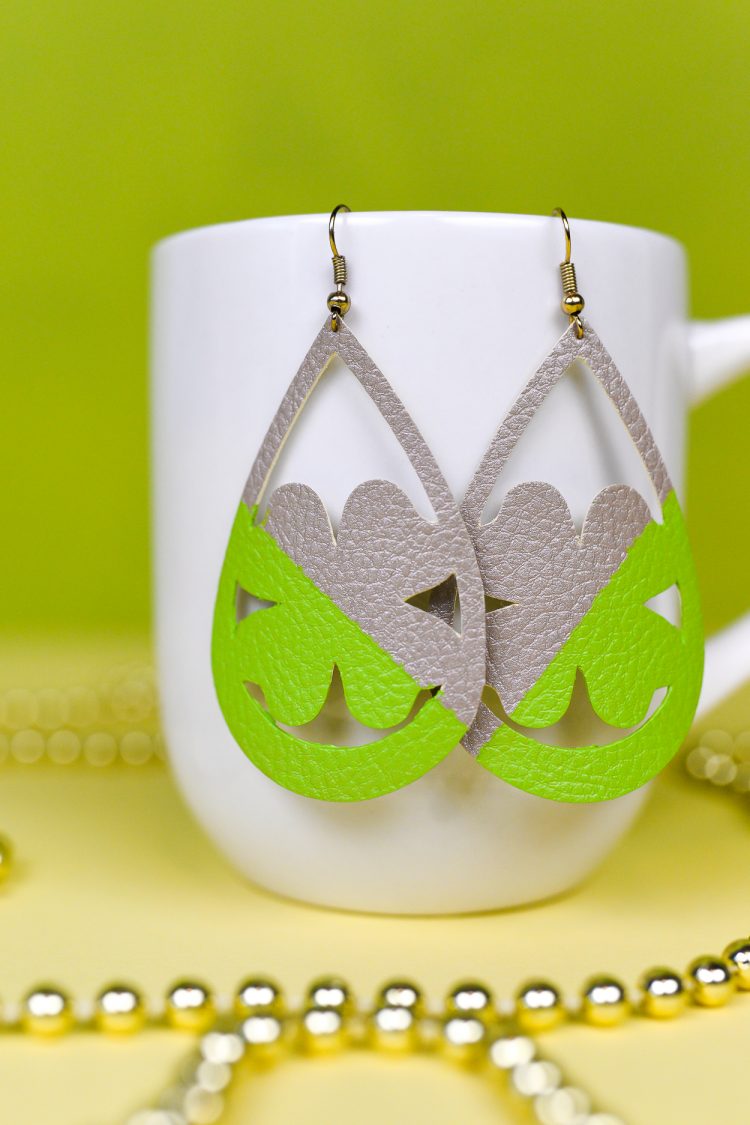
x=260, y=1007
x=395, y=1021
x=325, y=1023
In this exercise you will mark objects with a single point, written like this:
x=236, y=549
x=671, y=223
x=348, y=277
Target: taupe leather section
x=385, y=551
x=382, y=537
x=482, y=729
x=566, y=351
x=531, y=555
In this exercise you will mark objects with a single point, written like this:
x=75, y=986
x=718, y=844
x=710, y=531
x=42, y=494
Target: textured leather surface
x=384, y=552
x=345, y=604
x=289, y=651
x=626, y=651
x=432, y=653
x=568, y=349
x=578, y=603
x=531, y=555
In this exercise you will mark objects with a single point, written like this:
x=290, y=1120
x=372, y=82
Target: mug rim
x=493, y=218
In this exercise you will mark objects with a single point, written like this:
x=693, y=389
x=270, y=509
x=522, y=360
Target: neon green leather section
x=625, y=651
x=289, y=651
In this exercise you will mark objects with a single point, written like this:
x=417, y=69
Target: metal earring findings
x=347, y=600
x=576, y=604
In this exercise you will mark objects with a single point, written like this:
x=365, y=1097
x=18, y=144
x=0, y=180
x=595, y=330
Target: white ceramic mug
x=457, y=310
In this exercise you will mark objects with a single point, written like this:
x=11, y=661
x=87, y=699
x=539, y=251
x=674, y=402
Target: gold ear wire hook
x=566, y=226
x=572, y=303
x=338, y=302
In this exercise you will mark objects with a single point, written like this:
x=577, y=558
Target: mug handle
x=720, y=352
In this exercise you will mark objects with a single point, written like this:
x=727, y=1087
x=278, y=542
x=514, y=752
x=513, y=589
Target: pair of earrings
x=455, y=630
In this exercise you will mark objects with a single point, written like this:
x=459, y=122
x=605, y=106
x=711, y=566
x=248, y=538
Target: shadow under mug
x=235, y=309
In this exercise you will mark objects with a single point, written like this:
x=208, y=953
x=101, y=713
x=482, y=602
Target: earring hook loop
x=566, y=226
x=332, y=227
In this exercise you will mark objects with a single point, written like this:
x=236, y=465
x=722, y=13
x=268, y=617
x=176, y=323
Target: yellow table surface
x=114, y=880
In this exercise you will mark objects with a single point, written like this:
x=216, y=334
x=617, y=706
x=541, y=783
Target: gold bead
x=604, y=1002
x=393, y=1028
x=47, y=1011
x=712, y=980
x=539, y=1006
x=401, y=994
x=469, y=998
x=190, y=1006
x=120, y=1010
x=322, y=1029
x=573, y=304
x=259, y=995
x=463, y=1037
x=6, y=858
x=331, y=992
x=738, y=954
x=664, y=994
x=338, y=302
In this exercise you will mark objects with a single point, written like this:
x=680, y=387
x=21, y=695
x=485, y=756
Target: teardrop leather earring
x=345, y=601
x=577, y=604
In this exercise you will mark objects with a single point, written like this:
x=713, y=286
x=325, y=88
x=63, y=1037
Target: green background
x=123, y=122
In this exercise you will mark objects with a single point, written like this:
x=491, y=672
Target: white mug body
x=457, y=310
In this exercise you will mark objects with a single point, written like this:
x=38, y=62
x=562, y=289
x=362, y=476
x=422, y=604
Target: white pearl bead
x=719, y=740
x=63, y=747
x=132, y=701
x=100, y=749
x=512, y=1050
x=52, y=709
x=533, y=1078
x=27, y=746
x=222, y=1047
x=84, y=707
x=203, y=1107
x=566, y=1106
x=20, y=708
x=157, y=1117
x=741, y=748
x=741, y=783
x=213, y=1076
x=136, y=747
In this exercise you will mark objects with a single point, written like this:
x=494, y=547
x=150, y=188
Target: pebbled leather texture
x=626, y=651
x=531, y=555
x=566, y=352
x=289, y=651
x=578, y=604
x=384, y=553
x=464, y=671
x=357, y=581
